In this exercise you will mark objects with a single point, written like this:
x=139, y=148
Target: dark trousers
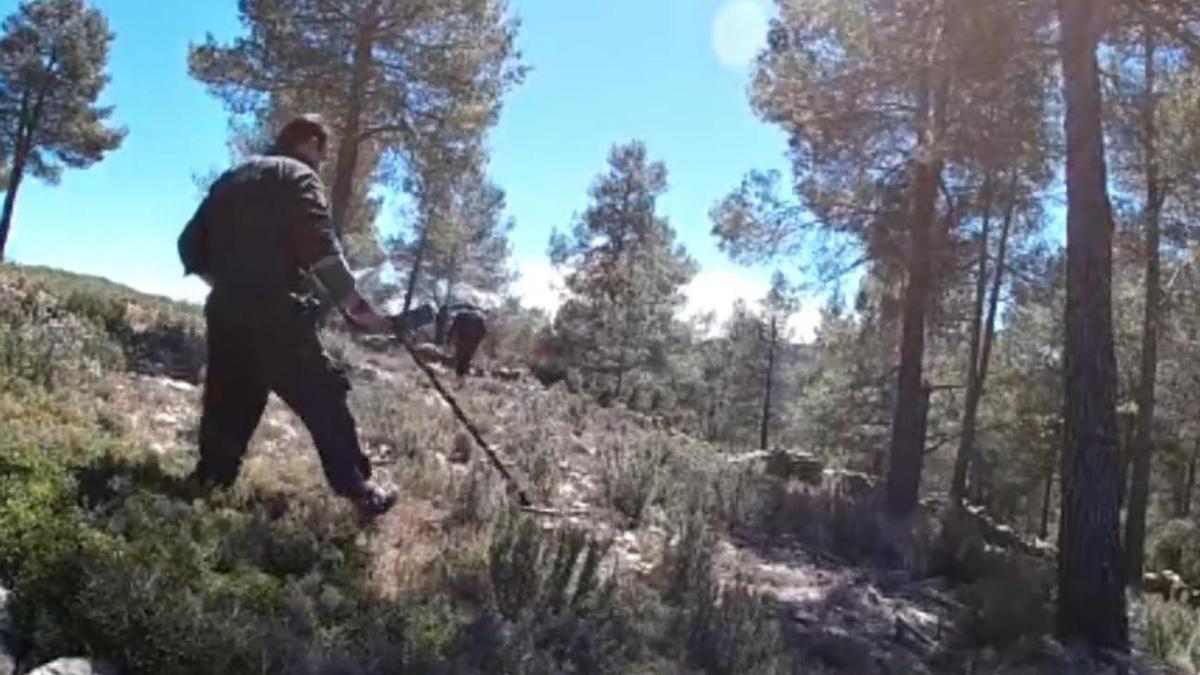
x=249, y=359
x=466, y=332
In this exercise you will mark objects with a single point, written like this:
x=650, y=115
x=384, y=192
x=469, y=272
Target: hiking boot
x=373, y=501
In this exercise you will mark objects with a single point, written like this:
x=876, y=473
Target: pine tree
x=625, y=274
x=467, y=245
x=778, y=306
x=387, y=74
x=882, y=102
x=1154, y=157
x=53, y=55
x=1091, y=584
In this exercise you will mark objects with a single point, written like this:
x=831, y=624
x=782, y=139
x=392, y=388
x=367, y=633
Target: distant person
x=462, y=325
x=263, y=240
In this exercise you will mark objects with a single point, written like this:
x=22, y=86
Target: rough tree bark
x=982, y=339
x=1139, y=490
x=29, y=120
x=1091, y=606
x=768, y=383
x=350, y=131
x=1047, y=495
x=907, y=452
x=1190, y=487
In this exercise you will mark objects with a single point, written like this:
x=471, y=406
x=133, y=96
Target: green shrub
x=724, y=629
x=633, y=474
x=849, y=528
x=1009, y=605
x=555, y=612
x=45, y=344
x=1171, y=632
x=107, y=559
x=107, y=312
x=1175, y=546
x=533, y=571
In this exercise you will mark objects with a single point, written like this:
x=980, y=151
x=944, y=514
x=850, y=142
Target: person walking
x=264, y=241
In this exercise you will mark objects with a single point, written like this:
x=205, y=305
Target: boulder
x=74, y=666
x=548, y=374
x=428, y=352
x=464, y=445
x=851, y=484
x=8, y=636
x=6, y=620
x=506, y=374
x=844, y=653
x=795, y=465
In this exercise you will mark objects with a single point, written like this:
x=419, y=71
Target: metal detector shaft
x=466, y=422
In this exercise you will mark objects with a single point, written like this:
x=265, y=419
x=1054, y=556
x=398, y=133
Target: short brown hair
x=300, y=129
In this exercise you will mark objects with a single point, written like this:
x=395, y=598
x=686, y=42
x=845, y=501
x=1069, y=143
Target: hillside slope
x=699, y=564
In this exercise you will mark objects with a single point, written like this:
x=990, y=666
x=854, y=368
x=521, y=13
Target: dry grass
x=406, y=546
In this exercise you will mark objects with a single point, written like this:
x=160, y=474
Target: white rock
x=74, y=666
x=6, y=624
x=177, y=385
x=8, y=664
x=630, y=540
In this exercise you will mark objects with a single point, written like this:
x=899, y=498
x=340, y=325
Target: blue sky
x=669, y=72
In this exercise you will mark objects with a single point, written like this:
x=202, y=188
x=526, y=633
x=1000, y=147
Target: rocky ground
x=849, y=619
x=590, y=467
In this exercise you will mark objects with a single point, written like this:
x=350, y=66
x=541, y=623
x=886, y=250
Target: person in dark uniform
x=462, y=325
x=263, y=240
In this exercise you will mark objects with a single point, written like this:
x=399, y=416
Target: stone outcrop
x=74, y=666
x=8, y=637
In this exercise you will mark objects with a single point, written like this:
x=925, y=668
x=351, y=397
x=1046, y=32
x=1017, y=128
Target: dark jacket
x=258, y=233
x=448, y=315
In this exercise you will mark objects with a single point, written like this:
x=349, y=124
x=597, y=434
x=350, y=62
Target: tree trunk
x=989, y=331
x=1047, y=495
x=30, y=114
x=907, y=453
x=1191, y=482
x=418, y=261
x=1091, y=603
x=1139, y=491
x=341, y=199
x=982, y=338
x=958, y=482
x=442, y=325
x=10, y=201
x=1128, y=434
x=764, y=436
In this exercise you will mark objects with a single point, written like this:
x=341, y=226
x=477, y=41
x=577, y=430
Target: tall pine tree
x=1091, y=583
x=53, y=55
x=387, y=74
x=625, y=275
